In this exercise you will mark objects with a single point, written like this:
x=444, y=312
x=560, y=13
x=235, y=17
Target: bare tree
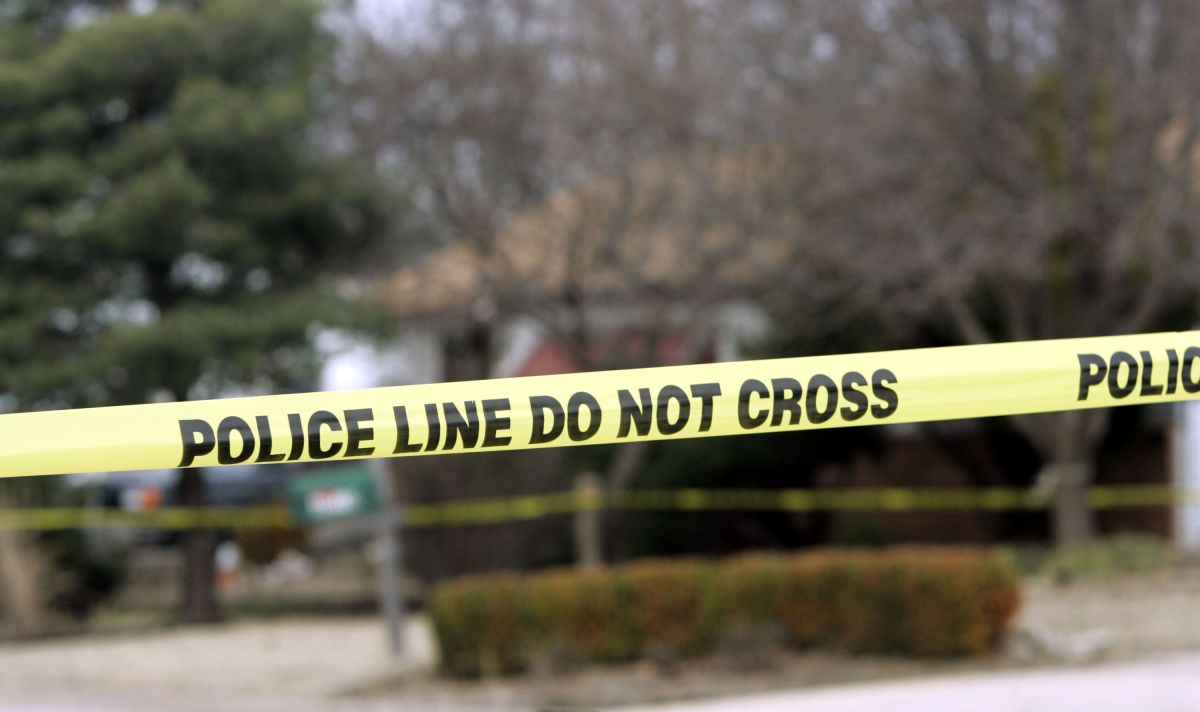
x=1005, y=169
x=580, y=164
x=1020, y=169
x=576, y=158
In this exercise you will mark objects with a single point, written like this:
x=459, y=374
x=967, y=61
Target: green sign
x=333, y=494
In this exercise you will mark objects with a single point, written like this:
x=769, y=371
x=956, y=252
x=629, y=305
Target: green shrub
x=811, y=610
x=583, y=615
x=870, y=609
x=953, y=602
x=482, y=626
x=904, y=601
x=674, y=604
x=753, y=589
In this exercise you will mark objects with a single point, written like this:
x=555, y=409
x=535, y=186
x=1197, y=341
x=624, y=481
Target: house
x=658, y=266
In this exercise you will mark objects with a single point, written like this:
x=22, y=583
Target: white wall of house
x=516, y=344
x=414, y=356
x=1186, y=466
x=739, y=326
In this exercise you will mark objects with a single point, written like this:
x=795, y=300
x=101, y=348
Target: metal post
x=391, y=593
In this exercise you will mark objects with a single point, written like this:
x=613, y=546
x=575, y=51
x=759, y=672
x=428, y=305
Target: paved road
x=1169, y=684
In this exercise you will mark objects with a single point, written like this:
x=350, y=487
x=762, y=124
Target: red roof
x=550, y=356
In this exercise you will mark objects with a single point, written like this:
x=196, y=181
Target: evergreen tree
x=170, y=226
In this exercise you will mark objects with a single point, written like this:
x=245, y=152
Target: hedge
x=938, y=602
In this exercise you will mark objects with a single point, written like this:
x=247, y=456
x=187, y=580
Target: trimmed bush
x=977, y=602
x=935, y=603
x=582, y=614
x=754, y=589
x=903, y=601
x=674, y=605
x=814, y=607
x=482, y=626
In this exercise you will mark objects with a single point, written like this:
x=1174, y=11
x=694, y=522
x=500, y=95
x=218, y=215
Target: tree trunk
x=22, y=583
x=626, y=463
x=588, y=522
x=1068, y=442
x=200, y=604
x=1074, y=523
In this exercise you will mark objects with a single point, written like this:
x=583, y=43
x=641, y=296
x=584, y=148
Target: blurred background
x=213, y=198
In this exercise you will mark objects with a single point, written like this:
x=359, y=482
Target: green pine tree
x=170, y=225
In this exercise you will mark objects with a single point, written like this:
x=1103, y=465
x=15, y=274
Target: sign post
x=391, y=592
x=333, y=494
x=355, y=491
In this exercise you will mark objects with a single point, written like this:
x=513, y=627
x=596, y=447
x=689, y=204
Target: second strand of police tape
x=498, y=510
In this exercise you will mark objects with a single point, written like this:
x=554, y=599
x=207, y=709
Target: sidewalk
x=1166, y=684
x=290, y=657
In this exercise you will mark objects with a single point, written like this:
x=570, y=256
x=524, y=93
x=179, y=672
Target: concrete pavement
x=1168, y=684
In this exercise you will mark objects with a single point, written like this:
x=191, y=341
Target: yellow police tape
x=888, y=499
x=499, y=510
x=51, y=518
x=611, y=406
